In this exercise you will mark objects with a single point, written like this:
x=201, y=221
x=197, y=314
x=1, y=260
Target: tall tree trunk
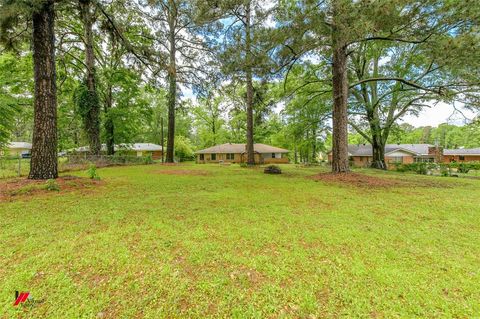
x=172, y=89
x=378, y=152
x=295, y=151
x=378, y=141
x=92, y=109
x=109, y=126
x=162, y=140
x=44, y=163
x=340, y=95
x=249, y=76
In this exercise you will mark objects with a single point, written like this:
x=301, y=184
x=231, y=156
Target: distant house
x=135, y=149
x=362, y=155
x=461, y=155
x=16, y=149
x=236, y=153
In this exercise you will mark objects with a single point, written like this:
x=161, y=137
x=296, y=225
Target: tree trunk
x=162, y=139
x=249, y=150
x=92, y=109
x=340, y=95
x=295, y=151
x=109, y=126
x=172, y=91
x=378, y=142
x=378, y=150
x=44, y=163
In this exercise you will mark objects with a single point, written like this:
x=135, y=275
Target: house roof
x=15, y=145
x=131, y=147
x=462, y=151
x=366, y=149
x=139, y=147
x=240, y=148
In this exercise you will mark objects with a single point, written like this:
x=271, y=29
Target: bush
x=463, y=168
x=92, y=172
x=445, y=170
x=272, y=169
x=148, y=159
x=243, y=165
x=52, y=185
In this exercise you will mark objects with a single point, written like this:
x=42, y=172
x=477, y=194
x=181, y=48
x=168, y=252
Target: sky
x=438, y=114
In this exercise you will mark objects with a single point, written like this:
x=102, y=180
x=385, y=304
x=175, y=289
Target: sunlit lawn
x=224, y=241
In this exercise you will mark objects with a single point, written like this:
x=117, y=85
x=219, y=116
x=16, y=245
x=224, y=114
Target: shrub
x=148, y=159
x=463, y=168
x=272, y=169
x=92, y=172
x=421, y=169
x=243, y=165
x=52, y=185
x=445, y=170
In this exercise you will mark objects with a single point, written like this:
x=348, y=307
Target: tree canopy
x=301, y=74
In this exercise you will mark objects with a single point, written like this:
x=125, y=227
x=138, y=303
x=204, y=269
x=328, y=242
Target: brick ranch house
x=461, y=155
x=236, y=153
x=362, y=155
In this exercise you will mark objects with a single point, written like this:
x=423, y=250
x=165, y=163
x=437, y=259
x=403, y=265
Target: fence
x=15, y=166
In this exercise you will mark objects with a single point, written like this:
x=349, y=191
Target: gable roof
x=15, y=145
x=366, y=149
x=462, y=151
x=399, y=149
x=240, y=148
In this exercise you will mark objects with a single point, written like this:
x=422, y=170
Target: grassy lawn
x=224, y=241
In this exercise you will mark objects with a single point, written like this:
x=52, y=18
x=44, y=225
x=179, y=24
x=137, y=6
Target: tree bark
x=340, y=96
x=92, y=116
x=162, y=139
x=378, y=152
x=172, y=89
x=44, y=163
x=249, y=80
x=109, y=126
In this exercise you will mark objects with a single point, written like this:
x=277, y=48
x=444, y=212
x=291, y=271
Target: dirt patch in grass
x=23, y=187
x=356, y=179
x=183, y=172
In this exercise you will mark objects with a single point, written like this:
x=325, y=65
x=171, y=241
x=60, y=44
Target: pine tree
x=44, y=163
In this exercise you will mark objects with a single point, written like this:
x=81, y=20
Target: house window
x=202, y=157
x=230, y=156
x=424, y=160
x=273, y=155
x=213, y=157
x=461, y=157
x=395, y=159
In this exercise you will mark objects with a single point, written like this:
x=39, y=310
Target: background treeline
x=306, y=75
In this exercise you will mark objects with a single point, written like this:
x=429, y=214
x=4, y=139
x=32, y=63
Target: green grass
x=234, y=242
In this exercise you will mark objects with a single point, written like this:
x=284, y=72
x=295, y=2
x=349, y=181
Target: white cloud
x=440, y=113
